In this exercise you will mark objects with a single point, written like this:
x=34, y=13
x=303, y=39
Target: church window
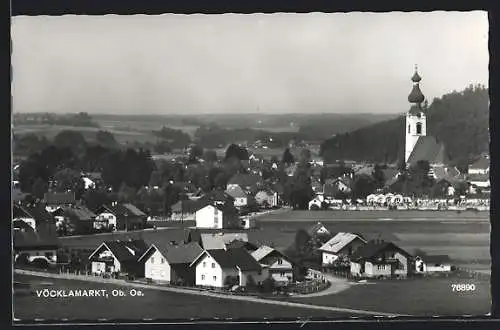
x=409, y=129
x=419, y=128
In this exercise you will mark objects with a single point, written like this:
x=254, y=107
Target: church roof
x=429, y=149
x=416, y=77
x=416, y=95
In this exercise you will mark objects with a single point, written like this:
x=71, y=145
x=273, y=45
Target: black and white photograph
x=253, y=167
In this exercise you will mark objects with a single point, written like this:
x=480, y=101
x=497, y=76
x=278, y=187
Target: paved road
x=204, y=293
x=337, y=285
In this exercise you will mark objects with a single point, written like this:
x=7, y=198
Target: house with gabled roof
x=31, y=214
x=318, y=229
x=245, y=181
x=31, y=244
x=379, y=259
x=480, y=166
x=74, y=219
x=185, y=210
x=118, y=257
x=220, y=241
x=280, y=268
x=266, y=197
x=54, y=200
x=170, y=263
x=239, y=195
x=121, y=216
x=340, y=246
x=227, y=267
x=217, y=216
x=432, y=264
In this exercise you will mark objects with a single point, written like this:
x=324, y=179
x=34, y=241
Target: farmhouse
x=31, y=214
x=74, y=219
x=222, y=268
x=121, y=216
x=481, y=166
x=169, y=263
x=244, y=181
x=53, y=201
x=30, y=244
x=318, y=230
x=340, y=246
x=280, y=268
x=216, y=216
x=379, y=258
x=239, y=195
x=334, y=186
x=432, y=264
x=184, y=210
x=266, y=198
x=220, y=241
x=118, y=257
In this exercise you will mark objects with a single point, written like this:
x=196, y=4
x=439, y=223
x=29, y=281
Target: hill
x=459, y=119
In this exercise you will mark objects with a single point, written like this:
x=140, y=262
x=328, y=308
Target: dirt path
x=202, y=293
x=337, y=285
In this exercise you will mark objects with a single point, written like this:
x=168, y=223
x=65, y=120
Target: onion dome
x=416, y=78
x=416, y=95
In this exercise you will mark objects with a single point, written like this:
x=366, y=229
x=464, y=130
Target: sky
x=268, y=63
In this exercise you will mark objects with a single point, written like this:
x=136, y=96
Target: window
x=152, y=260
x=419, y=128
x=203, y=277
x=162, y=260
x=215, y=278
x=213, y=264
x=380, y=267
x=282, y=274
x=204, y=264
x=280, y=261
x=409, y=128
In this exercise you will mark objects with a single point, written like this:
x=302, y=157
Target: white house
x=267, y=197
x=318, y=230
x=224, y=268
x=316, y=202
x=168, y=263
x=214, y=216
x=432, y=264
x=280, y=268
x=240, y=197
x=118, y=256
x=341, y=245
x=31, y=215
x=481, y=166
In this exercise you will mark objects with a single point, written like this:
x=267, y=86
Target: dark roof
x=44, y=236
x=214, y=196
x=236, y=192
x=126, y=250
x=18, y=195
x=313, y=230
x=121, y=210
x=59, y=198
x=186, y=206
x=237, y=244
x=79, y=212
x=35, y=211
x=481, y=163
x=416, y=95
x=179, y=254
x=233, y=258
x=436, y=259
x=427, y=148
x=374, y=248
x=416, y=77
x=135, y=211
x=245, y=180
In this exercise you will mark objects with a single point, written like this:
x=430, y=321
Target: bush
x=40, y=263
x=268, y=285
x=231, y=281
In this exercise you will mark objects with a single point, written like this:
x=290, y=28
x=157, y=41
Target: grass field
x=153, y=305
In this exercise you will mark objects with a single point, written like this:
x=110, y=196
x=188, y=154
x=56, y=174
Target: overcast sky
x=275, y=63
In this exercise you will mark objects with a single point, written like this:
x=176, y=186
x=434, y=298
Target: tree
x=126, y=193
x=195, y=152
x=236, y=151
x=363, y=186
x=231, y=281
x=155, y=179
x=40, y=187
x=70, y=139
x=305, y=156
x=378, y=176
x=68, y=179
x=302, y=243
x=287, y=157
x=210, y=156
x=96, y=198
x=268, y=285
x=106, y=139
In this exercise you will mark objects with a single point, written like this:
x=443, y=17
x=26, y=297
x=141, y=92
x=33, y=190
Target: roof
x=44, y=236
x=236, y=192
x=427, y=148
x=80, y=212
x=416, y=77
x=35, y=211
x=177, y=254
x=135, y=211
x=186, y=206
x=373, y=249
x=94, y=175
x=416, y=95
x=215, y=196
x=121, y=210
x=482, y=163
x=214, y=241
x=262, y=252
x=124, y=250
x=18, y=195
x=59, y=198
x=436, y=259
x=478, y=177
x=241, y=244
x=235, y=258
x=339, y=241
x=315, y=228
x=447, y=173
x=245, y=180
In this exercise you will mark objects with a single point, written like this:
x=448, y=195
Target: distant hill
x=459, y=119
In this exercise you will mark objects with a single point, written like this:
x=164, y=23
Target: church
x=419, y=145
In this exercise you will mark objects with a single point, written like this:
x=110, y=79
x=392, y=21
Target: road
x=337, y=285
x=203, y=293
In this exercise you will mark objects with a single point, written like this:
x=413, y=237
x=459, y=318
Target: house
x=217, y=216
x=239, y=195
x=53, y=201
x=481, y=181
x=75, y=219
x=31, y=214
x=244, y=181
x=121, y=216
x=169, y=263
x=316, y=203
x=334, y=186
x=266, y=198
x=118, y=257
x=215, y=197
x=279, y=267
x=340, y=246
x=18, y=196
x=481, y=166
x=32, y=244
x=378, y=259
x=228, y=267
x=318, y=229
x=432, y=264
x=220, y=241
x=184, y=210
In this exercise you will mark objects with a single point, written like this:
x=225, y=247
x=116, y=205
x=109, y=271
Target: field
x=153, y=305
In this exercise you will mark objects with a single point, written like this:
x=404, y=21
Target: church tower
x=416, y=125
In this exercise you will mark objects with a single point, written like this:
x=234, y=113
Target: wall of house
x=373, y=270
x=355, y=269
x=431, y=268
x=481, y=184
x=402, y=268
x=157, y=268
x=478, y=170
x=29, y=221
x=106, y=253
x=177, y=216
x=350, y=248
x=51, y=208
x=329, y=258
x=240, y=201
x=258, y=276
x=49, y=254
x=281, y=276
x=209, y=217
x=98, y=267
x=205, y=273
x=107, y=217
